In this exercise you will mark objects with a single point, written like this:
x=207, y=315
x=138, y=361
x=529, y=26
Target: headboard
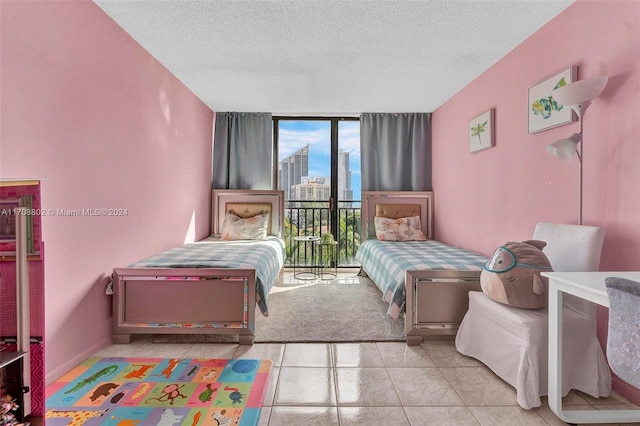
x=246, y=203
x=396, y=204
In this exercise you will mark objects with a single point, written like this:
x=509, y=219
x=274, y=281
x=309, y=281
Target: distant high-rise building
x=317, y=188
x=292, y=169
x=315, y=180
x=294, y=178
x=344, y=177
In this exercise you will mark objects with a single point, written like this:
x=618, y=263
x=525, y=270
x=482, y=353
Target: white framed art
x=481, y=134
x=544, y=111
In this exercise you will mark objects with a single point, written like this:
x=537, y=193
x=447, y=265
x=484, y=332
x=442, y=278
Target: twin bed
x=210, y=286
x=427, y=278
x=213, y=286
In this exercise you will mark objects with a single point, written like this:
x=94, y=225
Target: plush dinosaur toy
x=512, y=275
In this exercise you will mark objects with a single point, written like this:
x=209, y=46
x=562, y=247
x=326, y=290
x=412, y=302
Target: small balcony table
x=309, y=269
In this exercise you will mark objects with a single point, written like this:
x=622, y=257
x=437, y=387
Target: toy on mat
x=7, y=407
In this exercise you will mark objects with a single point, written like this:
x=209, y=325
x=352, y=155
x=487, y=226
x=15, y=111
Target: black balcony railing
x=311, y=218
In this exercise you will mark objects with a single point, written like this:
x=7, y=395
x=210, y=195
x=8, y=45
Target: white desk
x=589, y=286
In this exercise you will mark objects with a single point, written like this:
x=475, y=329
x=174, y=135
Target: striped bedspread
x=265, y=256
x=387, y=261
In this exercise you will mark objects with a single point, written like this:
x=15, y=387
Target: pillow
x=251, y=228
x=401, y=229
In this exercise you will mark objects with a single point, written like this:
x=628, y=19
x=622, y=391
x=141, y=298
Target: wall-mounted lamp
x=578, y=96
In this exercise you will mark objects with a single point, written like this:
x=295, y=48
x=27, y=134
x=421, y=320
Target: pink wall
x=498, y=195
x=106, y=126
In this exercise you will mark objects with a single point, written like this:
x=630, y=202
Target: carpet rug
x=152, y=391
x=348, y=310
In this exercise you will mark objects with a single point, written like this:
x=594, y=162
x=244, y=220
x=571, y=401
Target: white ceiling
x=330, y=57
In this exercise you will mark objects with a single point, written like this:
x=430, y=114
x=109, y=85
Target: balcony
x=306, y=217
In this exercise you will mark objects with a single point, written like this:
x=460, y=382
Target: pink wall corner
x=498, y=195
x=106, y=126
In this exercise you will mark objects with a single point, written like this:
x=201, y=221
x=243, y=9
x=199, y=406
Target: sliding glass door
x=347, y=219
x=319, y=171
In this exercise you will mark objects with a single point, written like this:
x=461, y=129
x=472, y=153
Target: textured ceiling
x=329, y=57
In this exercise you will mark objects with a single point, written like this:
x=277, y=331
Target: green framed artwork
x=481, y=133
x=544, y=111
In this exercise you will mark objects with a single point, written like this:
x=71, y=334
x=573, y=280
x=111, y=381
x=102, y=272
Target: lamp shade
x=580, y=91
x=564, y=149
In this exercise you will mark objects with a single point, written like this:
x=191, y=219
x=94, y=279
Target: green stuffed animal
x=512, y=275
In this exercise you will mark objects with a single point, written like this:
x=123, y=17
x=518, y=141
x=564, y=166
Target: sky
x=294, y=135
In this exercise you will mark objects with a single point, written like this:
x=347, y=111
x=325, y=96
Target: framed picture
x=481, y=132
x=544, y=111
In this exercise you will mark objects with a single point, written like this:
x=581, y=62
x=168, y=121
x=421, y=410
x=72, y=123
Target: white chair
x=513, y=342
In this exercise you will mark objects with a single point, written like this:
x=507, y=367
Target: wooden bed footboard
x=184, y=301
x=436, y=302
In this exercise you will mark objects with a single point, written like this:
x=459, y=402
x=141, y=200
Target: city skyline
x=293, y=178
x=314, y=137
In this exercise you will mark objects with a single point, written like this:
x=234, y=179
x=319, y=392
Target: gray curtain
x=243, y=151
x=395, y=152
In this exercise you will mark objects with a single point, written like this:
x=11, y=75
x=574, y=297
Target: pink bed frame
x=436, y=300
x=193, y=300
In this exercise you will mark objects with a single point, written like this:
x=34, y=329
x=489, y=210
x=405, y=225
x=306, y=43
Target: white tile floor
x=374, y=384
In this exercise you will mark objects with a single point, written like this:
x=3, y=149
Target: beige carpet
x=344, y=310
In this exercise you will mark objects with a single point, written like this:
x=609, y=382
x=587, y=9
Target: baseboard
x=52, y=376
